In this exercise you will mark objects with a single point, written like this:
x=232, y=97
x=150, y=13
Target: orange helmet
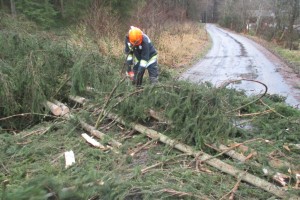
x=135, y=36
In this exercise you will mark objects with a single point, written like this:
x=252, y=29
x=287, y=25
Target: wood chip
x=92, y=141
x=69, y=158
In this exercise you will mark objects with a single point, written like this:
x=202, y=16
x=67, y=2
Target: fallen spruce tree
x=200, y=114
x=202, y=156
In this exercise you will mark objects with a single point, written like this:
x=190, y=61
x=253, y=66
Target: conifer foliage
x=33, y=69
x=197, y=113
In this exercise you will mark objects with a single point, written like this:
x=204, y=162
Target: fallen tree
x=204, y=157
x=92, y=130
x=280, y=178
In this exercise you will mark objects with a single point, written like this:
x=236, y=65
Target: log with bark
x=280, y=178
x=214, y=162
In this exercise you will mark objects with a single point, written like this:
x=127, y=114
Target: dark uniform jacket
x=144, y=54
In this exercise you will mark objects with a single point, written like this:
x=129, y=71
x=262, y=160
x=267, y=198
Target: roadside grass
x=180, y=48
x=291, y=56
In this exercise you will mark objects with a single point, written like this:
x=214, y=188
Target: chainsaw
x=130, y=75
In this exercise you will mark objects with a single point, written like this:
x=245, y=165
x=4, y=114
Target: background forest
x=275, y=20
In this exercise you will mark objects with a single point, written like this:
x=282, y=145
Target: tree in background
x=293, y=11
x=229, y=14
x=56, y=12
x=42, y=13
x=48, y=13
x=13, y=8
x=71, y=11
x=274, y=20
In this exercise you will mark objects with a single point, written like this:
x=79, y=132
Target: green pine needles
x=33, y=69
x=197, y=112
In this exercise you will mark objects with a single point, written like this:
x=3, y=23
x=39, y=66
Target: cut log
x=244, y=149
x=233, y=154
x=64, y=108
x=216, y=163
x=55, y=109
x=92, y=129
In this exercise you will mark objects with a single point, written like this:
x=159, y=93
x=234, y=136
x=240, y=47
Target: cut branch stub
x=55, y=109
x=64, y=108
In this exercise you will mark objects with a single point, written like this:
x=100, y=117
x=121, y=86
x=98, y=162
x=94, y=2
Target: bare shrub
x=179, y=50
x=156, y=16
x=165, y=22
x=105, y=26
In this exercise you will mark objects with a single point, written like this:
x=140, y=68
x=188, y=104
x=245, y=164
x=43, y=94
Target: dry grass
x=175, y=50
x=181, y=49
x=110, y=46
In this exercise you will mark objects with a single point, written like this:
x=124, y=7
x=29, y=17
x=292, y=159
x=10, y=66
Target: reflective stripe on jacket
x=145, y=53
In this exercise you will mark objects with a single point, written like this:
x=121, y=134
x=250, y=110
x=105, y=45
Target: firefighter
x=141, y=55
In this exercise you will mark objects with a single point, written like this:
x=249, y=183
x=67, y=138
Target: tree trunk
x=13, y=8
x=244, y=17
x=2, y=4
x=258, y=19
x=218, y=164
x=62, y=10
x=292, y=18
x=57, y=111
x=77, y=99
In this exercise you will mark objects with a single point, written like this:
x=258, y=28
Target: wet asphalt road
x=233, y=57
